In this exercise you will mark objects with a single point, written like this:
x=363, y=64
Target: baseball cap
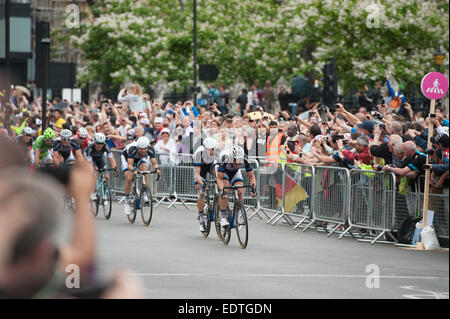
x=165, y=130
x=158, y=120
x=367, y=125
x=143, y=115
x=144, y=121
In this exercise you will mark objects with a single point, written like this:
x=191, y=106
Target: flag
x=294, y=194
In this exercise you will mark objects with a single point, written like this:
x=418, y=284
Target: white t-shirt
x=171, y=146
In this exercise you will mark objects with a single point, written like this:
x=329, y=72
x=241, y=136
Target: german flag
x=294, y=193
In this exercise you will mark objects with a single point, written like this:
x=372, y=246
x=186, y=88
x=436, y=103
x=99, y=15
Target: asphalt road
x=172, y=260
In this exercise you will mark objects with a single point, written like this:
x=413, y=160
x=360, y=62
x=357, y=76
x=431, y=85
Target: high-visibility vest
x=282, y=159
x=273, y=149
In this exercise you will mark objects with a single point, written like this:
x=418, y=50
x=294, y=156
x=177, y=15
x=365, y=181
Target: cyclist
x=25, y=140
x=229, y=163
x=134, y=157
x=83, y=139
x=42, y=148
x=95, y=154
x=204, y=162
x=66, y=149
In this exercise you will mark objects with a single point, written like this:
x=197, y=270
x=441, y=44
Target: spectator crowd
x=384, y=134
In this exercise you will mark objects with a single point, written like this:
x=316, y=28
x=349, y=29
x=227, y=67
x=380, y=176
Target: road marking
x=424, y=293
x=298, y=275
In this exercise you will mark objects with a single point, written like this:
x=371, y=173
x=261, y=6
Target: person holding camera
x=361, y=153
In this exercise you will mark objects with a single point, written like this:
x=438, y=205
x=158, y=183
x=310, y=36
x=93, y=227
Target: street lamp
x=439, y=57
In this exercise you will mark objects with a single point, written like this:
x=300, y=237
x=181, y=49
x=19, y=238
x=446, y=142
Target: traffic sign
x=434, y=85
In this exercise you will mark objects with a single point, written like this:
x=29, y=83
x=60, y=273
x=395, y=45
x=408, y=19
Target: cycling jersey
x=205, y=161
x=131, y=151
x=42, y=146
x=66, y=151
x=84, y=144
x=231, y=172
x=92, y=155
x=226, y=165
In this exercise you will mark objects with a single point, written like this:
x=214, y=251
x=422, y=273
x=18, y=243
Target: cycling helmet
x=237, y=152
x=66, y=133
x=3, y=132
x=143, y=142
x=49, y=133
x=82, y=132
x=99, y=138
x=27, y=131
x=209, y=143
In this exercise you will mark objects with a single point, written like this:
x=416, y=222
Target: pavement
x=173, y=260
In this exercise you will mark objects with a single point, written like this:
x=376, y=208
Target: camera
x=379, y=168
x=377, y=116
x=432, y=115
x=322, y=108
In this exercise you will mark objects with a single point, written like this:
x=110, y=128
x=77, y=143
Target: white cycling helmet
x=82, y=132
x=209, y=143
x=142, y=142
x=99, y=138
x=27, y=130
x=237, y=152
x=66, y=133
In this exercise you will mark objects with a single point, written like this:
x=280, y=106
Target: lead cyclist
x=229, y=163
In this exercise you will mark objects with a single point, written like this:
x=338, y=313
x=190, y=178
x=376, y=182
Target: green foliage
x=262, y=40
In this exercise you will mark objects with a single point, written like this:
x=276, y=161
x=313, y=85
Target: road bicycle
x=210, y=203
x=237, y=218
x=142, y=198
x=102, y=194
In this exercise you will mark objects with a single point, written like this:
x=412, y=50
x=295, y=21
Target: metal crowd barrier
x=332, y=198
x=372, y=202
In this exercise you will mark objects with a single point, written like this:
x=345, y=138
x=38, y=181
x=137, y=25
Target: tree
x=258, y=40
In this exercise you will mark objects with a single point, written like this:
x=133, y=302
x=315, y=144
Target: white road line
x=299, y=275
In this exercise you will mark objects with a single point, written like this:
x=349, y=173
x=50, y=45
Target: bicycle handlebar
x=149, y=172
x=106, y=170
x=239, y=186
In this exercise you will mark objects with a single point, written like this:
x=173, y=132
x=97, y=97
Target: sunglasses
x=49, y=140
x=65, y=139
x=99, y=143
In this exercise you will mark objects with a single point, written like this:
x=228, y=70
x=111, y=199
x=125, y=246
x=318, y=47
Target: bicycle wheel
x=96, y=202
x=241, y=225
x=146, y=205
x=224, y=233
x=207, y=216
x=106, y=201
x=132, y=216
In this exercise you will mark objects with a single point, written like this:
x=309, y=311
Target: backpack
x=406, y=230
